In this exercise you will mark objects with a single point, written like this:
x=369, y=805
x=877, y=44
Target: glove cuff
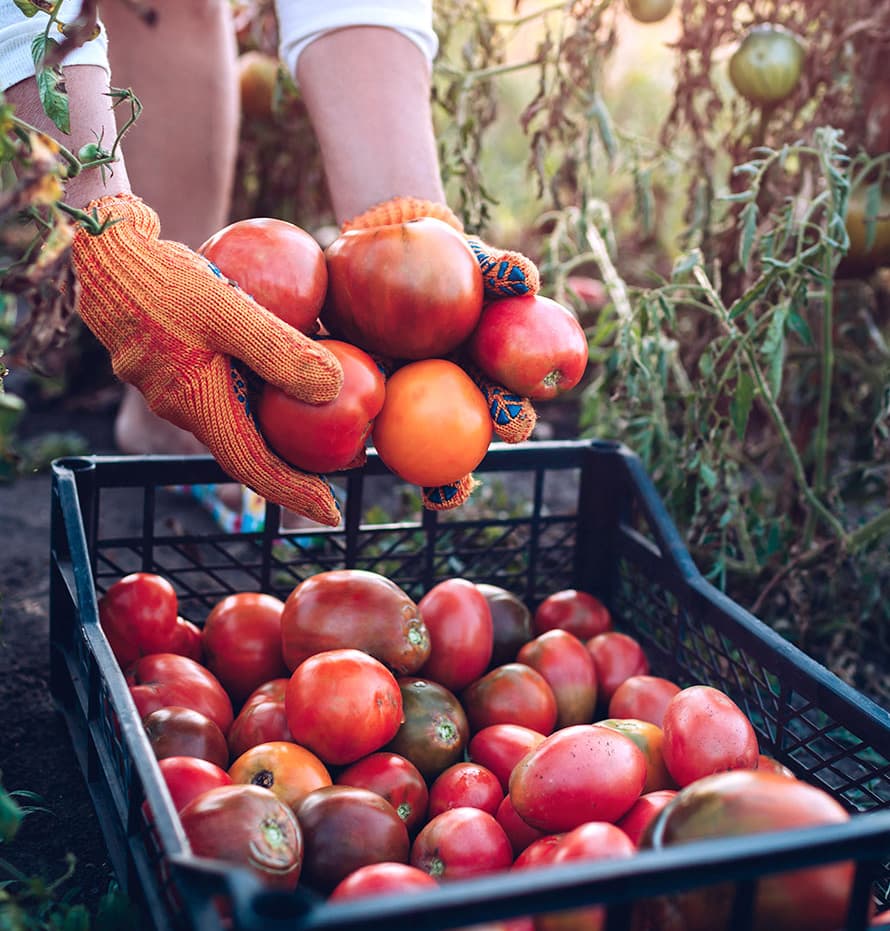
x=127, y=208
x=401, y=210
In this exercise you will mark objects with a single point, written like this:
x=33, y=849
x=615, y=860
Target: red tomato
x=138, y=615
x=617, y=657
x=465, y=785
x=643, y=698
x=768, y=764
x=397, y=779
x=187, y=777
x=258, y=722
x=706, y=732
x=325, y=437
x=499, y=747
x=511, y=623
x=278, y=264
x=381, y=879
x=539, y=852
x=435, y=426
x=581, y=773
x=356, y=609
x=531, y=345
x=567, y=665
x=287, y=769
x=573, y=610
x=242, y=642
x=518, y=832
x=187, y=640
x=247, y=826
x=458, y=618
x=273, y=690
x=460, y=843
x=511, y=694
x=342, y=705
x=406, y=290
x=649, y=738
x=177, y=731
x=643, y=811
x=346, y=828
x=163, y=679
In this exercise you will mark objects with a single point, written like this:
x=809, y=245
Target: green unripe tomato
x=649, y=11
x=767, y=64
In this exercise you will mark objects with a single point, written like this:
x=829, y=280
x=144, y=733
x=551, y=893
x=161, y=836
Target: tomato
x=188, y=776
x=247, y=826
x=539, y=852
x=768, y=764
x=638, y=817
x=518, y=832
x=435, y=426
x=381, y=879
x=342, y=705
x=511, y=623
x=576, y=611
x=397, y=779
x=273, y=690
x=706, y=732
x=458, y=618
x=869, y=233
x=511, y=694
x=567, y=665
x=358, y=609
x=649, y=738
x=346, y=828
x=325, y=437
x=642, y=697
x=435, y=730
x=732, y=804
x=649, y=11
x=580, y=773
x=531, y=345
x=499, y=747
x=459, y=843
x=163, y=679
x=257, y=77
x=138, y=615
x=465, y=785
x=767, y=64
x=287, y=769
x=617, y=657
x=278, y=264
x=405, y=290
x=258, y=722
x=187, y=640
x=178, y=731
x=242, y=642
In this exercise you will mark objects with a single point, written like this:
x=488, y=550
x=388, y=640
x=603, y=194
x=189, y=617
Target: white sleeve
x=17, y=31
x=302, y=21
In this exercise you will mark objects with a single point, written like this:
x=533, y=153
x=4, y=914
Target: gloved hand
x=173, y=326
x=504, y=274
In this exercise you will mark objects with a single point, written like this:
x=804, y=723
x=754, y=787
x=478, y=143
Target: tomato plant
x=277, y=263
x=465, y=785
x=766, y=66
x=381, y=879
x=343, y=704
x=354, y=608
x=139, y=615
x=248, y=826
x=285, y=768
x=868, y=227
x=460, y=843
x=458, y=619
x=532, y=345
x=574, y=610
x=242, y=642
x=405, y=290
x=325, y=437
x=188, y=776
x=434, y=427
x=177, y=731
x=511, y=694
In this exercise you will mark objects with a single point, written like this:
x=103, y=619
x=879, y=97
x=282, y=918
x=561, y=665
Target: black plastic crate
x=580, y=514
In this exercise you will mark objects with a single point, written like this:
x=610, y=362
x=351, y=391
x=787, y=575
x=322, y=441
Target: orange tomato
x=434, y=427
x=288, y=769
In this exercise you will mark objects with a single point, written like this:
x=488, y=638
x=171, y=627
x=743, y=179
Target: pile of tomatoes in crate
x=362, y=743
x=405, y=299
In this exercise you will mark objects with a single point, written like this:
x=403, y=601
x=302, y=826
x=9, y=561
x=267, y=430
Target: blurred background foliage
x=724, y=244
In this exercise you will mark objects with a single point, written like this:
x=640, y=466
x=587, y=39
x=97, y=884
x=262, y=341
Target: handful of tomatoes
x=362, y=743
x=408, y=296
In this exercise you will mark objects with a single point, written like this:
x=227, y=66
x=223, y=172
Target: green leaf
x=685, y=264
x=10, y=816
x=77, y=919
x=740, y=406
x=708, y=476
x=773, y=349
x=872, y=209
x=749, y=230
x=51, y=85
x=603, y=120
x=27, y=7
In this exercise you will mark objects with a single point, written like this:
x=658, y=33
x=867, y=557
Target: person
x=172, y=327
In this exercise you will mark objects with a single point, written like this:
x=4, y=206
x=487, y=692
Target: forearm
x=367, y=90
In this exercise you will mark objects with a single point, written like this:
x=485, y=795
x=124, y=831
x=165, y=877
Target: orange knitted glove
x=173, y=325
x=504, y=274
